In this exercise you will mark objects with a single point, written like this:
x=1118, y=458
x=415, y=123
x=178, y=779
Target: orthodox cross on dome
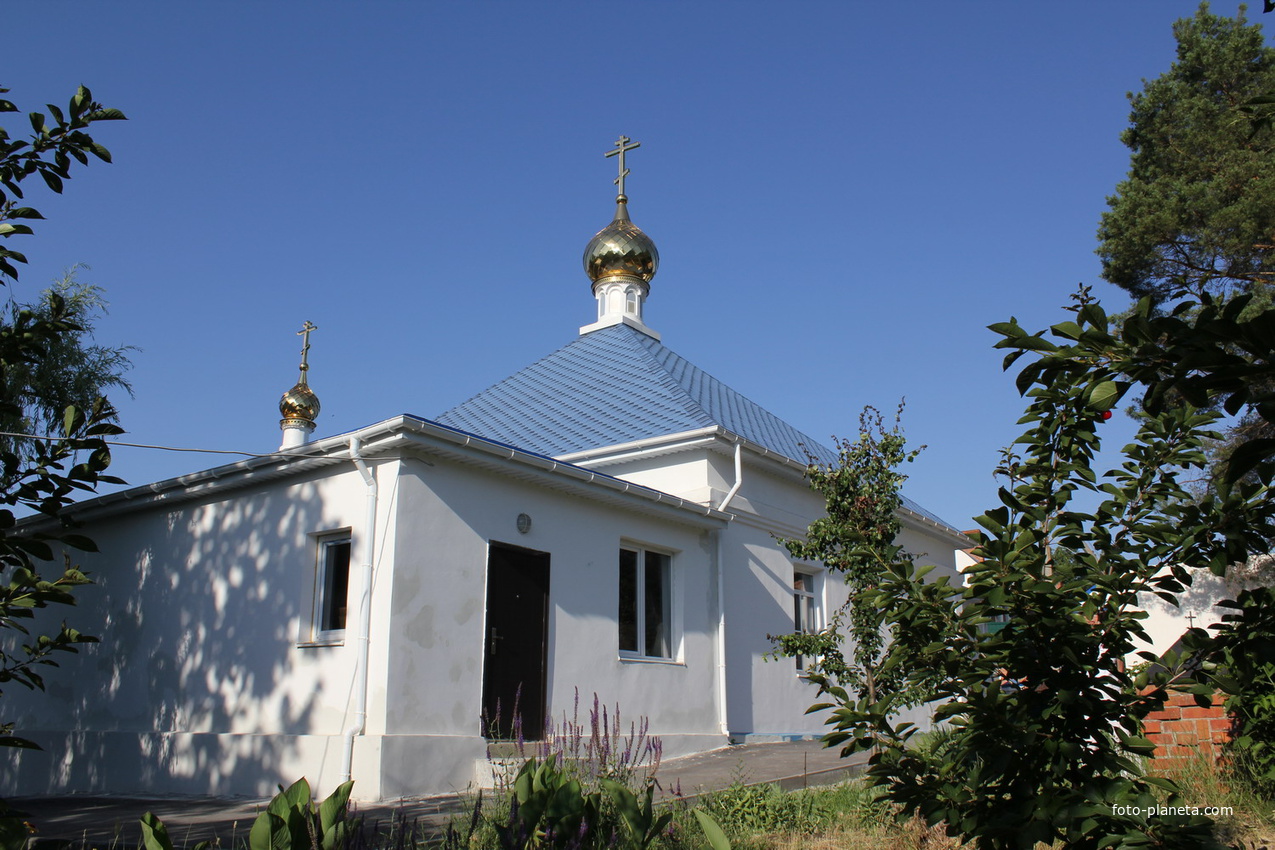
x=622, y=146
x=304, y=333
x=299, y=405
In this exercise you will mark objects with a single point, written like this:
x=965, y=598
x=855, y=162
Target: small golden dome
x=621, y=248
x=299, y=404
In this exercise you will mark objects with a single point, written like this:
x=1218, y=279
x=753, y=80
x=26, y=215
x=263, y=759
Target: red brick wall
x=1183, y=729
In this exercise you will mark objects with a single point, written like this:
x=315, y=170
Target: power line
x=141, y=445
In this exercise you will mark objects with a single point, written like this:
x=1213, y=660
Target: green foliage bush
x=601, y=748
x=43, y=476
x=1242, y=665
x=1045, y=719
x=856, y=540
x=748, y=809
x=291, y=821
x=549, y=808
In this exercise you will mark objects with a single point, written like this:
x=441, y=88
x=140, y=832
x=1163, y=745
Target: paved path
x=113, y=820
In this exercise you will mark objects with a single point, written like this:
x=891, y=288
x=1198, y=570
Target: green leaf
x=1246, y=458
x=52, y=180
x=71, y=420
x=1070, y=330
x=269, y=832
x=1104, y=395
x=1009, y=329
x=333, y=808
x=154, y=833
x=1141, y=746
x=78, y=541
x=1035, y=343
x=712, y=831
x=13, y=741
x=297, y=796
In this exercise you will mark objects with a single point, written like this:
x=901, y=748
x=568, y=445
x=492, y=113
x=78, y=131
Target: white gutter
x=724, y=716
x=362, y=639
x=679, y=440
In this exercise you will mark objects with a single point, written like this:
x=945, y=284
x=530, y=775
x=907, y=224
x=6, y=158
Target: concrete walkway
x=114, y=820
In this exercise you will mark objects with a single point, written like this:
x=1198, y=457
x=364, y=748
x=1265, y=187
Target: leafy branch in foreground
x=43, y=477
x=1046, y=720
x=46, y=482
x=48, y=152
x=72, y=369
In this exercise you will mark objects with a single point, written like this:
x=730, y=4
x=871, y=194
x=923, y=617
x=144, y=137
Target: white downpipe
x=739, y=476
x=724, y=718
x=363, y=641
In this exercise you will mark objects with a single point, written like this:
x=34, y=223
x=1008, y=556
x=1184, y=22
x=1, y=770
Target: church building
x=380, y=604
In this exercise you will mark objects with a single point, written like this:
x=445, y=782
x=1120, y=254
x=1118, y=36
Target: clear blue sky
x=843, y=195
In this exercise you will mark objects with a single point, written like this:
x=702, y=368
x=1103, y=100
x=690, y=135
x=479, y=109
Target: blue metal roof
x=617, y=385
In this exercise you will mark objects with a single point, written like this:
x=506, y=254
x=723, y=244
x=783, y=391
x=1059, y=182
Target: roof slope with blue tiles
x=617, y=385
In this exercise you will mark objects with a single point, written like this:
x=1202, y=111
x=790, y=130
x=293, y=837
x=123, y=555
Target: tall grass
x=596, y=748
x=1206, y=782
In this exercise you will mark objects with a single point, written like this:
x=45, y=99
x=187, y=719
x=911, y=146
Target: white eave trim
x=713, y=437
x=719, y=439
x=397, y=433
x=958, y=539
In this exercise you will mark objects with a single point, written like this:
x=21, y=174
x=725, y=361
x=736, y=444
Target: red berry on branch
x=1106, y=414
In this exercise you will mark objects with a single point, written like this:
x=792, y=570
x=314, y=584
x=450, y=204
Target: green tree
x=44, y=476
x=1194, y=213
x=1046, y=720
x=856, y=538
x=73, y=370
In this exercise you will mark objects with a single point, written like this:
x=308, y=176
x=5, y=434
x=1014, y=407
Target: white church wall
x=448, y=514
x=768, y=697
x=1197, y=606
x=199, y=685
x=782, y=500
x=690, y=475
x=931, y=549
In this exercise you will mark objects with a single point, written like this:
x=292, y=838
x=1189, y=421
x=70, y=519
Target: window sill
x=335, y=639
x=650, y=659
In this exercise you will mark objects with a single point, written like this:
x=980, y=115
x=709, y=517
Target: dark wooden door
x=516, y=642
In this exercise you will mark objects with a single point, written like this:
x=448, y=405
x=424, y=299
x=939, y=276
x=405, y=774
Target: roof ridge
x=645, y=346
x=711, y=383
x=617, y=384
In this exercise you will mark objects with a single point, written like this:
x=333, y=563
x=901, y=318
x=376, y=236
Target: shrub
x=602, y=749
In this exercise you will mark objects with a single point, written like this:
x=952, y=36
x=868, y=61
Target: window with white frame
x=645, y=611
x=805, y=608
x=331, y=586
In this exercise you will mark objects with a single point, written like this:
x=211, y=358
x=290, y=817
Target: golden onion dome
x=299, y=404
x=621, y=248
